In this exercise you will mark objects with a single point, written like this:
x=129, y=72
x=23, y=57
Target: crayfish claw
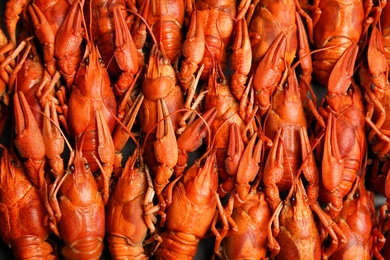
x=193, y=50
x=332, y=167
x=341, y=75
x=126, y=54
x=165, y=147
x=241, y=60
x=272, y=65
x=138, y=31
x=106, y=151
x=45, y=35
x=191, y=138
x=377, y=63
x=274, y=170
x=69, y=37
x=243, y=9
x=29, y=140
x=309, y=167
x=248, y=167
x=305, y=60
x=54, y=140
x=235, y=150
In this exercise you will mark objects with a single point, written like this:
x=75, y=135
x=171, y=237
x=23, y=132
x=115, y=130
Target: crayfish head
x=288, y=94
x=334, y=102
x=292, y=94
x=216, y=82
x=160, y=76
x=262, y=99
x=92, y=59
x=68, y=68
x=158, y=64
x=300, y=198
x=359, y=210
x=92, y=76
x=79, y=168
x=339, y=101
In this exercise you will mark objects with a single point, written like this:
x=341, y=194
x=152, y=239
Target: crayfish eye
x=86, y=166
x=86, y=61
x=100, y=60
x=350, y=91
x=293, y=200
x=31, y=56
x=71, y=168
x=356, y=195
x=219, y=80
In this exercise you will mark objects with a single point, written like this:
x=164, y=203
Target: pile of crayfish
x=143, y=127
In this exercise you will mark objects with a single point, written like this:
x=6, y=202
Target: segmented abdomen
x=177, y=245
x=32, y=247
x=351, y=168
x=122, y=248
x=169, y=32
x=88, y=248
